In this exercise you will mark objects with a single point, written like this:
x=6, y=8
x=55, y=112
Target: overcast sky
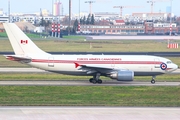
x=32, y=6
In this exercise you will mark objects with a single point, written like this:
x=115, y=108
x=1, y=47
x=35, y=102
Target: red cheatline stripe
x=169, y=68
x=96, y=62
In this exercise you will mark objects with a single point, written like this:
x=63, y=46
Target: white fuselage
x=119, y=67
x=142, y=65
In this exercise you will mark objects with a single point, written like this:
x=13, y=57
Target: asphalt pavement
x=88, y=113
x=82, y=83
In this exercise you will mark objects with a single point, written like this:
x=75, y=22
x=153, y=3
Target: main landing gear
x=153, y=79
x=95, y=79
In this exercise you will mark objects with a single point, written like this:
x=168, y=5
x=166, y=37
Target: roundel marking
x=163, y=66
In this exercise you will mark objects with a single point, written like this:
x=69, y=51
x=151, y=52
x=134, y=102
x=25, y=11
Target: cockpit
x=169, y=62
x=170, y=66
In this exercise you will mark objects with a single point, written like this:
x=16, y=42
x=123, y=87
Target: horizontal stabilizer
x=18, y=58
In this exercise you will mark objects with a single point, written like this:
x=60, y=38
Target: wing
x=90, y=69
x=18, y=58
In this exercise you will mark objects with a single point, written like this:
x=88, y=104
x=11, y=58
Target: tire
x=94, y=81
x=153, y=81
x=99, y=81
x=90, y=80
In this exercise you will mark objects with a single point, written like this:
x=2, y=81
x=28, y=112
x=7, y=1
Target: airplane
x=118, y=67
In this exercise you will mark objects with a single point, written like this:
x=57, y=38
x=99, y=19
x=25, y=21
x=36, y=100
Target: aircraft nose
x=173, y=67
x=176, y=66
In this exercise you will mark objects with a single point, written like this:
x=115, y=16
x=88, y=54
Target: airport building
x=114, y=29
x=105, y=15
x=149, y=16
x=146, y=28
x=4, y=18
x=34, y=19
x=111, y=24
x=159, y=28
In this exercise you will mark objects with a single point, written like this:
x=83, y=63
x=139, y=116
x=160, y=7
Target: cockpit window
x=169, y=62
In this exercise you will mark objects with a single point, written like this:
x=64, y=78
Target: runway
x=89, y=113
x=84, y=83
x=134, y=37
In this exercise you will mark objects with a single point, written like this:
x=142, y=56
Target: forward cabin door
x=51, y=62
x=156, y=61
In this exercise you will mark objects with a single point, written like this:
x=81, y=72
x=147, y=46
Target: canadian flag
x=24, y=41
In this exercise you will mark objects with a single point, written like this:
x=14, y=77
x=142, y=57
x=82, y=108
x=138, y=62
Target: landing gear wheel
x=90, y=80
x=99, y=81
x=153, y=81
x=94, y=81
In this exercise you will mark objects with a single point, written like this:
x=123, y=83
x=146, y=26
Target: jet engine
x=122, y=75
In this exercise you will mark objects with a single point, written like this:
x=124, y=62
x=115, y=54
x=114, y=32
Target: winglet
x=77, y=65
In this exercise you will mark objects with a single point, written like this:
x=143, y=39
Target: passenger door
x=51, y=62
x=156, y=61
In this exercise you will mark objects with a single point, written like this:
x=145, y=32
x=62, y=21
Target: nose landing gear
x=153, y=79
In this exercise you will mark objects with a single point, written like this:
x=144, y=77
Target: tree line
x=83, y=21
x=87, y=21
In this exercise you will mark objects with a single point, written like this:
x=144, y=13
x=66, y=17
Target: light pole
x=79, y=9
x=170, y=32
x=69, y=17
x=52, y=6
x=9, y=11
x=79, y=27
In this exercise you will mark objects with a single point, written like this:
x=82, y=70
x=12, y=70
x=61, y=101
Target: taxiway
x=83, y=83
x=133, y=37
x=89, y=113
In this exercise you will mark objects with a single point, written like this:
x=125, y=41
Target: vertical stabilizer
x=20, y=42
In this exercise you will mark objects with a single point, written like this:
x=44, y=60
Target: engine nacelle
x=123, y=75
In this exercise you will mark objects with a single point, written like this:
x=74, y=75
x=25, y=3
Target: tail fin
x=21, y=43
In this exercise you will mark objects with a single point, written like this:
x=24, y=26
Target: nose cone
x=174, y=67
x=171, y=68
x=177, y=67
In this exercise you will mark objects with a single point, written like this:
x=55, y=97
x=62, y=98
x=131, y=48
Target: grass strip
x=31, y=35
x=79, y=45
x=90, y=96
